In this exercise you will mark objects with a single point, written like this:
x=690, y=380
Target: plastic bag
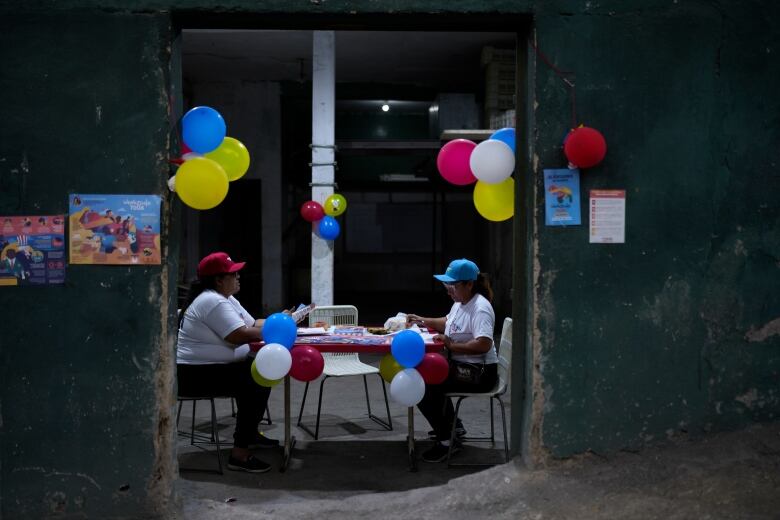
x=396, y=323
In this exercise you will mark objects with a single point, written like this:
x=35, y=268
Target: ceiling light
x=385, y=107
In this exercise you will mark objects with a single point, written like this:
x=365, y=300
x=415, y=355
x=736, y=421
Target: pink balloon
x=453, y=162
x=433, y=368
x=307, y=363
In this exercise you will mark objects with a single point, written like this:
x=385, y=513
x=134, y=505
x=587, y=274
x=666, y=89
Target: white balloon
x=492, y=161
x=273, y=361
x=407, y=387
x=172, y=183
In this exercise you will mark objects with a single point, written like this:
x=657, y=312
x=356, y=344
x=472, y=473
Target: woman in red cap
x=467, y=334
x=212, y=327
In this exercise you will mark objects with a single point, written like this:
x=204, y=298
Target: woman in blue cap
x=467, y=334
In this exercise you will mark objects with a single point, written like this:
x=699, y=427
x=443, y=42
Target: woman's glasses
x=452, y=284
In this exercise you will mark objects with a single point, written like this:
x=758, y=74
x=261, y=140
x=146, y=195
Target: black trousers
x=228, y=380
x=439, y=410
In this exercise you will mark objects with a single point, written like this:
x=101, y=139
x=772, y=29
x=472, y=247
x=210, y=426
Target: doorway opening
x=400, y=95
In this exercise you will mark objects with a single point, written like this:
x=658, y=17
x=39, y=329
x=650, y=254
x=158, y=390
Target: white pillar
x=322, y=157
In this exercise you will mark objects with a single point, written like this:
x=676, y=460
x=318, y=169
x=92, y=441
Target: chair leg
x=492, y=428
x=178, y=414
x=215, y=434
x=192, y=429
x=303, y=402
x=368, y=402
x=452, y=430
x=503, y=421
x=319, y=409
x=386, y=425
x=387, y=405
x=503, y=424
x=302, y=426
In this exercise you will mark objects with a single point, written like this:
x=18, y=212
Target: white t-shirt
x=208, y=319
x=474, y=319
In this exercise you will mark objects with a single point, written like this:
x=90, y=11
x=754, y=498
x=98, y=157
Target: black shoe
x=250, y=465
x=438, y=452
x=261, y=441
x=460, y=432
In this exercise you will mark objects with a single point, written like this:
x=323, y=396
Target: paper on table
x=313, y=331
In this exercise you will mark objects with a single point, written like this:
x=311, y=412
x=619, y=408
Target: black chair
x=201, y=438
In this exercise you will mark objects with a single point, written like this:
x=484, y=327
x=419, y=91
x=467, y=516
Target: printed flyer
x=607, y=216
x=562, y=197
x=32, y=250
x=114, y=229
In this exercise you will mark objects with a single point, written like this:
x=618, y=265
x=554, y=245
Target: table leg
x=289, y=440
x=410, y=441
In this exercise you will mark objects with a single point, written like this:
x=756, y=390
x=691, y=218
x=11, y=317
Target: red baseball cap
x=218, y=263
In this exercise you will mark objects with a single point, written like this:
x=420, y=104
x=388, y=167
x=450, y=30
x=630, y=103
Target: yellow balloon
x=233, y=156
x=389, y=367
x=201, y=183
x=495, y=202
x=335, y=205
x=260, y=380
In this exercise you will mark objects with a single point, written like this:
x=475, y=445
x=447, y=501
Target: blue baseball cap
x=459, y=271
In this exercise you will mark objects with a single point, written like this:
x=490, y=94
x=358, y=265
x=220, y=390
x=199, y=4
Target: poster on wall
x=562, y=197
x=607, y=216
x=114, y=229
x=32, y=250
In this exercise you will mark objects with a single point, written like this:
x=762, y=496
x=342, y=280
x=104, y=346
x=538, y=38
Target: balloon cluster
x=408, y=368
x=489, y=164
x=209, y=161
x=584, y=147
x=276, y=359
x=322, y=215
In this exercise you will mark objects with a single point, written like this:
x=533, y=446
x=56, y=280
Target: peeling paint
x=748, y=398
x=767, y=331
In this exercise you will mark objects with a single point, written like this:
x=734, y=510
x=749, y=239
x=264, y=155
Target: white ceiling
x=445, y=61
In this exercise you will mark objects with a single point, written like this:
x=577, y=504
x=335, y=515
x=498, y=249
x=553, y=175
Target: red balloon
x=307, y=363
x=312, y=211
x=433, y=368
x=585, y=147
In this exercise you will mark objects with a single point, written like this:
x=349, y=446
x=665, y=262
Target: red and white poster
x=607, y=210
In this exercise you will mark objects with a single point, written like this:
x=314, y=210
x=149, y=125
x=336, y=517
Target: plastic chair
x=500, y=388
x=342, y=364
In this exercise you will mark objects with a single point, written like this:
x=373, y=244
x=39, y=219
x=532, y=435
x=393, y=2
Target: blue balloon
x=203, y=129
x=507, y=135
x=329, y=228
x=408, y=348
x=280, y=328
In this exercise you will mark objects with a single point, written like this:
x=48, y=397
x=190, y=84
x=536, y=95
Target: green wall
x=85, y=399
x=674, y=331
x=660, y=335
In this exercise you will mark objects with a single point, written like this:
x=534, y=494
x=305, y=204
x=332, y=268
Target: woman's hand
x=412, y=319
x=444, y=339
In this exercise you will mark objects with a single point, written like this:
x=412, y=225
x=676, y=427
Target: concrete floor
x=357, y=469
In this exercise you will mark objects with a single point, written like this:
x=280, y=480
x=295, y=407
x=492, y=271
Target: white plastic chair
x=500, y=388
x=339, y=364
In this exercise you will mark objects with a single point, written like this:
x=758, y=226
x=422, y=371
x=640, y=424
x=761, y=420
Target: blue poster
x=562, y=197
